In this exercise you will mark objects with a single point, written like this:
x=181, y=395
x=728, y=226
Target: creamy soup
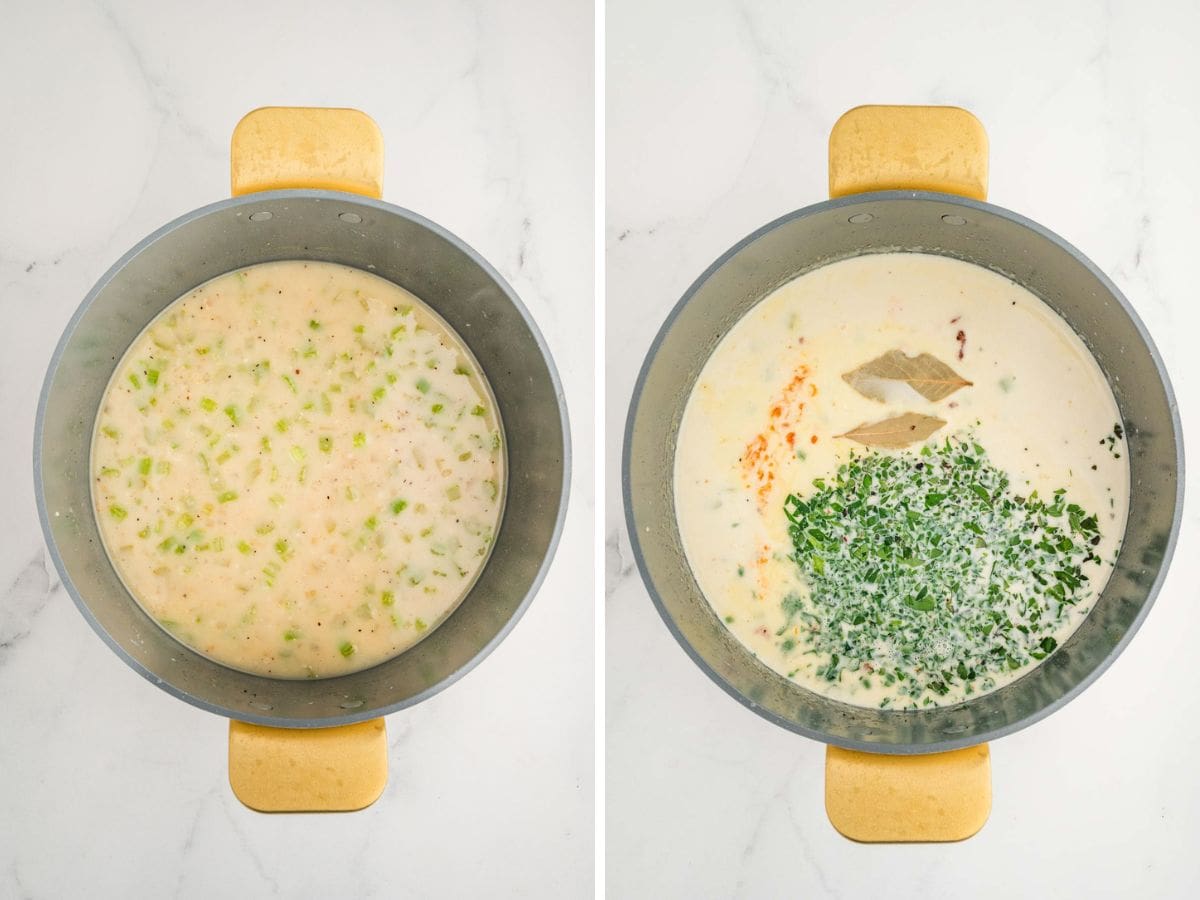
x=298, y=469
x=901, y=480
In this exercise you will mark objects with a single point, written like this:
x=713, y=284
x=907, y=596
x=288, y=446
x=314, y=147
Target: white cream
x=297, y=469
x=762, y=419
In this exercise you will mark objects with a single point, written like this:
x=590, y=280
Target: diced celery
x=423, y=385
x=208, y=404
x=398, y=506
x=325, y=442
x=117, y=512
x=226, y=496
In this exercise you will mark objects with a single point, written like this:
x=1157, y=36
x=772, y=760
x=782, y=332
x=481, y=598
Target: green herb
x=927, y=568
x=325, y=442
x=398, y=506
x=208, y=404
x=346, y=649
x=423, y=385
x=1110, y=440
x=226, y=496
x=117, y=512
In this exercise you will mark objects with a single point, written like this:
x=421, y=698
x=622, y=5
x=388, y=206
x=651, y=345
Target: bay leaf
x=896, y=432
x=925, y=374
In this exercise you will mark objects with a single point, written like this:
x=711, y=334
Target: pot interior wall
x=933, y=223
x=402, y=248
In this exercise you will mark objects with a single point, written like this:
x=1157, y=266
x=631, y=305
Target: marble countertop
x=717, y=120
x=117, y=119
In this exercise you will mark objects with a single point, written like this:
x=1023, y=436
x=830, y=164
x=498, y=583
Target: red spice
x=954, y=321
x=961, y=337
x=758, y=462
x=813, y=439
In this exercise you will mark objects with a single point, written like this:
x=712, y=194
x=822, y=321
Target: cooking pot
x=877, y=155
x=283, y=161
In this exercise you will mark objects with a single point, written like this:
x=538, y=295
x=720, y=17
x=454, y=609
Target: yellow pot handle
x=277, y=147
x=320, y=769
x=930, y=797
x=914, y=148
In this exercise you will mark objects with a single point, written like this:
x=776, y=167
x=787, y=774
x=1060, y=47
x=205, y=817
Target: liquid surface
x=297, y=469
x=764, y=419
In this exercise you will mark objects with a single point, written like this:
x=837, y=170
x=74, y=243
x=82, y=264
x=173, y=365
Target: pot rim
x=949, y=743
x=250, y=200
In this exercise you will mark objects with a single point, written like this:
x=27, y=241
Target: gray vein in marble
x=617, y=567
x=23, y=600
x=806, y=848
x=244, y=840
x=20, y=891
x=161, y=98
x=500, y=131
x=189, y=839
x=773, y=66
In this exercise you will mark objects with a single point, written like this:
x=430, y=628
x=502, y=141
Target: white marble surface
x=717, y=118
x=117, y=118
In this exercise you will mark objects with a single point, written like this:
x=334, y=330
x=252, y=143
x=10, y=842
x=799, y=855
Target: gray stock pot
x=330, y=226
x=869, y=220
